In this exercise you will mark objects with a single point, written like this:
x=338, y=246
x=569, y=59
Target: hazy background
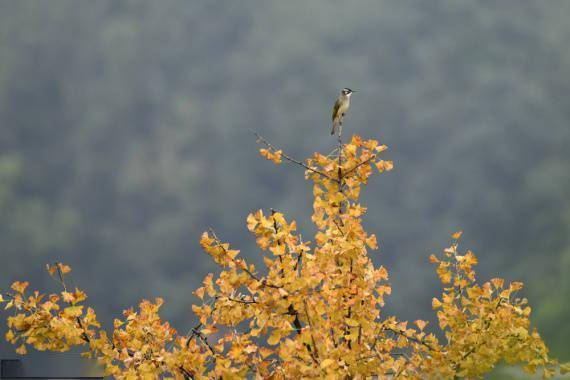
x=125, y=132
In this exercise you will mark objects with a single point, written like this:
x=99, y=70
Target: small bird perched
x=340, y=108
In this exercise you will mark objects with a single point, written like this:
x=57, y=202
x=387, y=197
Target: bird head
x=346, y=91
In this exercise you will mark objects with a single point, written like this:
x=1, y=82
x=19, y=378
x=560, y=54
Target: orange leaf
x=64, y=268
x=435, y=303
x=421, y=324
x=200, y=292
x=22, y=350
x=20, y=286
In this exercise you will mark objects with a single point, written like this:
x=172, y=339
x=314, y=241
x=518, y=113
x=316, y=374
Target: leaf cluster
x=315, y=309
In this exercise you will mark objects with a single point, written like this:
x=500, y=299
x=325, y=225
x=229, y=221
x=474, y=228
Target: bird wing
x=335, y=108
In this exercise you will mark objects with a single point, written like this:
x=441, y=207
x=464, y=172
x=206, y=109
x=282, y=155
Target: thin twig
x=332, y=337
x=377, y=355
x=84, y=335
x=197, y=327
x=413, y=339
x=187, y=375
x=247, y=302
x=315, y=352
x=299, y=259
x=475, y=347
x=193, y=331
x=338, y=226
x=339, y=180
x=349, y=314
x=276, y=230
x=204, y=340
x=296, y=321
x=359, y=165
x=244, y=266
x=291, y=159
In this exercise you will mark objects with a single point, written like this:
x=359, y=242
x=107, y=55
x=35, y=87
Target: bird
x=340, y=108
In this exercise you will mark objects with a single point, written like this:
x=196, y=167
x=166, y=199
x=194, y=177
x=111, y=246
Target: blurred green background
x=125, y=131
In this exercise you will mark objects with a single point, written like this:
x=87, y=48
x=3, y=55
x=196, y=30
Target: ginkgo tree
x=315, y=310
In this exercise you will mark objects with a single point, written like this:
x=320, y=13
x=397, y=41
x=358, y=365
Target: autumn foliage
x=314, y=311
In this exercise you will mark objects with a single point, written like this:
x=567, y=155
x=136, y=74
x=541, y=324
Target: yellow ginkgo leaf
x=274, y=338
x=327, y=363
x=421, y=324
x=22, y=350
x=20, y=286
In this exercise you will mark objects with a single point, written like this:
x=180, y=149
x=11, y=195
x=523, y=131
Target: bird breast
x=344, y=105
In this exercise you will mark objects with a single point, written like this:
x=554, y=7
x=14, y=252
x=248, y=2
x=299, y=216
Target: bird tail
x=335, y=123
